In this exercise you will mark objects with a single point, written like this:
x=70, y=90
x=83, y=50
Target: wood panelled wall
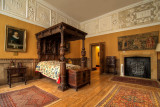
x=29, y=57
x=111, y=45
x=29, y=63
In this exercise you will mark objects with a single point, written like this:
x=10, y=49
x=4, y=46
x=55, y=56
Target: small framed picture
x=15, y=39
x=67, y=47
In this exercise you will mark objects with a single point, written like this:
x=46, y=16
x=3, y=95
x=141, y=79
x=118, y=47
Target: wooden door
x=90, y=53
x=102, y=57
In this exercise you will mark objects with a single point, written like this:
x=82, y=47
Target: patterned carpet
x=28, y=97
x=138, y=81
x=122, y=96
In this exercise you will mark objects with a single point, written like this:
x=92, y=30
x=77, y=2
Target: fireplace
x=150, y=55
x=137, y=67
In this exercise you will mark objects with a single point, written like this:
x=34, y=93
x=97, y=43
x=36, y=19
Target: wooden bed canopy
x=51, y=46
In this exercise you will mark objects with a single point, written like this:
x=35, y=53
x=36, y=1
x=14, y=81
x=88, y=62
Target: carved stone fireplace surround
x=151, y=54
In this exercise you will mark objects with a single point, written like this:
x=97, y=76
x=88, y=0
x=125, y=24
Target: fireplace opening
x=137, y=67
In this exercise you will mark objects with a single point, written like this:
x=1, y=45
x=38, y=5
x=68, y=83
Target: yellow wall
x=31, y=39
x=74, y=50
x=75, y=46
x=111, y=41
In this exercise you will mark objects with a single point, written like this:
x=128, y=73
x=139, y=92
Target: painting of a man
x=15, y=39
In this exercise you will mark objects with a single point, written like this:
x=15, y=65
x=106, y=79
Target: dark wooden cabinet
x=78, y=78
x=13, y=72
x=111, y=64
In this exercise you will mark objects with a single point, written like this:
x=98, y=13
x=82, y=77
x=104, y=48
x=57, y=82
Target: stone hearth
x=137, y=67
x=151, y=54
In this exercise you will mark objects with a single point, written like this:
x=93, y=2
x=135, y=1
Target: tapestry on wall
x=144, y=41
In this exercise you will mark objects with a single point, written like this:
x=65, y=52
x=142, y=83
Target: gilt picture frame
x=67, y=47
x=15, y=39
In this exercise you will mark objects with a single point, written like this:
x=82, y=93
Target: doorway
x=97, y=55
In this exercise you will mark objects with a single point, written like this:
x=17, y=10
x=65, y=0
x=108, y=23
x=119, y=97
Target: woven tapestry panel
x=144, y=41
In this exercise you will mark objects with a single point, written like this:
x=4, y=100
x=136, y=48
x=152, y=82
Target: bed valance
x=70, y=33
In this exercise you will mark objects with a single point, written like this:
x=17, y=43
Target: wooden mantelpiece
x=51, y=46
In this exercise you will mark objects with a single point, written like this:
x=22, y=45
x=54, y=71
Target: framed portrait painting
x=15, y=39
x=67, y=47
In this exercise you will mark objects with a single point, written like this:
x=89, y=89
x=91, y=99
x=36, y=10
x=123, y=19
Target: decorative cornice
x=26, y=10
x=142, y=14
x=111, y=22
x=125, y=29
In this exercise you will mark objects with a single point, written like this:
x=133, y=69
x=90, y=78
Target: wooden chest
x=78, y=78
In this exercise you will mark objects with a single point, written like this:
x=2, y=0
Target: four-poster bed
x=51, y=46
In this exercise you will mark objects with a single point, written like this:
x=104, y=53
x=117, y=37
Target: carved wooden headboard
x=49, y=49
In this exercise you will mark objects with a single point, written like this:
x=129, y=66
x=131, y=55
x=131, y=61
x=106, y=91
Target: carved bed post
x=63, y=86
x=39, y=52
x=39, y=49
x=83, y=52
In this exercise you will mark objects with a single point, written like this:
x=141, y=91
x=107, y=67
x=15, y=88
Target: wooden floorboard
x=87, y=96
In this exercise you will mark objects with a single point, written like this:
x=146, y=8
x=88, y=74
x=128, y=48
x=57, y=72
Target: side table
x=20, y=71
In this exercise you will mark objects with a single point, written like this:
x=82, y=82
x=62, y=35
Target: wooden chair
x=111, y=64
